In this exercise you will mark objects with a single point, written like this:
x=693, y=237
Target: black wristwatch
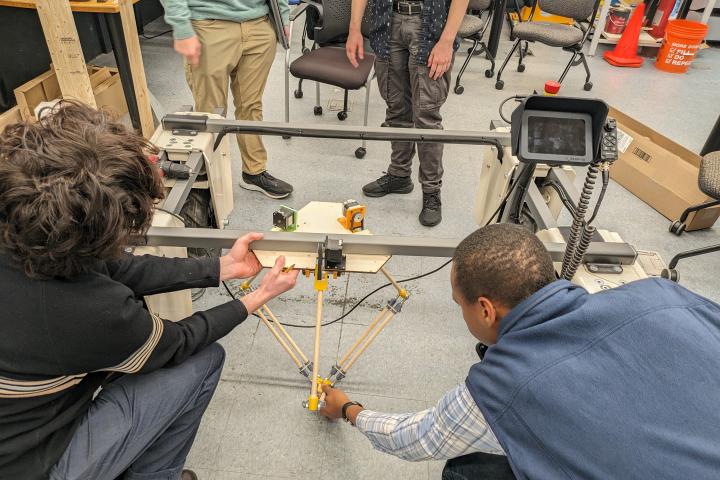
x=344, y=410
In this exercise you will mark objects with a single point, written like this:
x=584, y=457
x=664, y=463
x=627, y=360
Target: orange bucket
x=682, y=41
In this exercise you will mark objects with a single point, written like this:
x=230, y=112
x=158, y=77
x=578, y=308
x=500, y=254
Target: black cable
x=174, y=215
x=502, y=104
x=563, y=197
x=606, y=181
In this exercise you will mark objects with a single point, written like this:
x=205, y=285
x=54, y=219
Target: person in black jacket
x=75, y=187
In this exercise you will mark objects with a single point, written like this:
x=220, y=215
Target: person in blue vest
x=622, y=384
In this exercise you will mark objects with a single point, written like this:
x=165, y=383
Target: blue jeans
x=142, y=426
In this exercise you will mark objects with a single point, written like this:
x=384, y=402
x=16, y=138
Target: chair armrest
x=297, y=11
x=315, y=5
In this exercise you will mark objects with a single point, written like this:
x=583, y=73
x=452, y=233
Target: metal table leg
x=117, y=39
x=496, y=27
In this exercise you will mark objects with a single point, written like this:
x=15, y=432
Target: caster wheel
x=678, y=228
x=360, y=152
x=489, y=73
x=670, y=274
x=317, y=111
x=286, y=137
x=298, y=93
x=521, y=68
x=588, y=86
x=499, y=85
x=342, y=116
x=459, y=89
x=305, y=51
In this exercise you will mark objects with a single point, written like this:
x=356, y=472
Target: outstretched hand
x=334, y=401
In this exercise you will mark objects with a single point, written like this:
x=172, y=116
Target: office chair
x=570, y=38
x=327, y=25
x=709, y=183
x=473, y=28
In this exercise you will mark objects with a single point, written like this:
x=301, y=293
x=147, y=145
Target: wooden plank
x=132, y=43
x=10, y=117
x=65, y=50
x=92, y=6
x=322, y=217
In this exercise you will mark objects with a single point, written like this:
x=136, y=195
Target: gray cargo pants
x=413, y=100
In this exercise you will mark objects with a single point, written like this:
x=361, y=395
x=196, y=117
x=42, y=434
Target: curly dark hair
x=74, y=187
x=503, y=262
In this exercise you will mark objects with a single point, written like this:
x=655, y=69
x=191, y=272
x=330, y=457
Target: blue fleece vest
x=622, y=384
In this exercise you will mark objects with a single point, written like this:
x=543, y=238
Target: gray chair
x=327, y=25
x=570, y=38
x=709, y=183
x=473, y=28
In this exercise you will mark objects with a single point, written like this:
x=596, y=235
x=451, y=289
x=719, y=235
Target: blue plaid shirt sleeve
x=454, y=427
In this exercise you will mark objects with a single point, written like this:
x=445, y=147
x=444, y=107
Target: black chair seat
x=709, y=177
x=330, y=65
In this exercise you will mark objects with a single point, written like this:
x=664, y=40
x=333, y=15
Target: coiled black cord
x=578, y=224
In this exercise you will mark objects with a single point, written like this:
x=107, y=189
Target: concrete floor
x=255, y=426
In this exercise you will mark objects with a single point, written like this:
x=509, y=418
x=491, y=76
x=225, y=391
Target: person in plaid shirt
x=617, y=384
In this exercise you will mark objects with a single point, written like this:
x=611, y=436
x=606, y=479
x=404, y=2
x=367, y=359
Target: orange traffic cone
x=625, y=52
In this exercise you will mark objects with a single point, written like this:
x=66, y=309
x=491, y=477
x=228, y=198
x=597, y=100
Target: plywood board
x=322, y=217
x=65, y=50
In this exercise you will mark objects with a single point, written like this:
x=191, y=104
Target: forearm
x=395, y=434
x=454, y=427
x=356, y=14
x=177, y=15
x=150, y=275
x=455, y=18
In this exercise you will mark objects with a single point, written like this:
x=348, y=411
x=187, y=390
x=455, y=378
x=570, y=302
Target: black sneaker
x=388, y=184
x=267, y=184
x=431, y=213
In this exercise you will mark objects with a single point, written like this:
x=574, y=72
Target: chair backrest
x=479, y=4
x=335, y=23
x=579, y=10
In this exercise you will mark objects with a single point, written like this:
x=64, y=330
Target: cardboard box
x=660, y=172
x=105, y=82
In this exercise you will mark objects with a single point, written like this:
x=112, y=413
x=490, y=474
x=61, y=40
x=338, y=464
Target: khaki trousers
x=243, y=54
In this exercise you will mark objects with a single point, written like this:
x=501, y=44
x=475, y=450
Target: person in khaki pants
x=230, y=41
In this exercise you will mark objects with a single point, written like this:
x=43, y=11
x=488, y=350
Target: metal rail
x=598, y=252
x=201, y=123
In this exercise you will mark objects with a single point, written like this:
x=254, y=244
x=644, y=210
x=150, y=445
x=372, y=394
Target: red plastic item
x=552, y=87
x=625, y=52
x=662, y=14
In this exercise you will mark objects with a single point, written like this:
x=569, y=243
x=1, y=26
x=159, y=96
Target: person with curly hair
x=93, y=384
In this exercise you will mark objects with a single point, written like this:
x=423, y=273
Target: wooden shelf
x=646, y=40
x=92, y=6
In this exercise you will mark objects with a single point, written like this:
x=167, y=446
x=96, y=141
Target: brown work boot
x=188, y=475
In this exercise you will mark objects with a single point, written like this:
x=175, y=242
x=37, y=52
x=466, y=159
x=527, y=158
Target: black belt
x=408, y=8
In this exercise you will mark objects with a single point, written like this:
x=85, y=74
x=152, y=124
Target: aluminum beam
x=201, y=123
x=175, y=200
x=598, y=252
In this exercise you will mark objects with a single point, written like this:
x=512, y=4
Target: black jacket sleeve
x=121, y=335
x=148, y=274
